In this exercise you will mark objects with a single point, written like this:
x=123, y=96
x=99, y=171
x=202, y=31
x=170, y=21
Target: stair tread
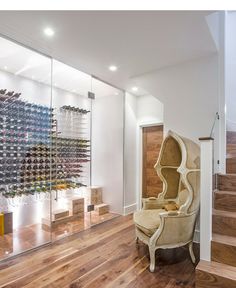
x=225, y=192
x=223, y=213
x=224, y=239
x=227, y=174
x=219, y=269
x=231, y=156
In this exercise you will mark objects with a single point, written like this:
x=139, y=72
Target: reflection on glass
x=25, y=135
x=45, y=150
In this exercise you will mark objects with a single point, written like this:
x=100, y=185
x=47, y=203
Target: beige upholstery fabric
x=177, y=229
x=182, y=197
x=194, y=181
x=148, y=221
x=193, y=158
x=172, y=177
x=171, y=153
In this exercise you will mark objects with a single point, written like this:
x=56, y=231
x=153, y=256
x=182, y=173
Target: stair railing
x=217, y=117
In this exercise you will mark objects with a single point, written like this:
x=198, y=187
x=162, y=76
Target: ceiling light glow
x=5, y=67
x=112, y=68
x=135, y=89
x=49, y=32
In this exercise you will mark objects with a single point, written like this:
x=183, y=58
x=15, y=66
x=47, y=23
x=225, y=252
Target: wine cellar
x=52, y=137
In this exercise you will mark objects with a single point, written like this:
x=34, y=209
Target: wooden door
x=152, y=139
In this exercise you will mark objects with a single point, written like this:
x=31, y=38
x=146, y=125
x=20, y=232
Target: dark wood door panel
x=152, y=139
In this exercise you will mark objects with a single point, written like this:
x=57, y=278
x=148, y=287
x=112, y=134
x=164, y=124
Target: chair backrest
x=178, y=166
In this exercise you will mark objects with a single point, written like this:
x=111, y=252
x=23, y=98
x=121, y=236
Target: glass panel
x=61, y=152
x=107, y=152
x=25, y=128
x=71, y=147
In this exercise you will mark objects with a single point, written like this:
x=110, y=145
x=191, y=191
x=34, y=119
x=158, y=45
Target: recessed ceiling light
x=112, y=68
x=135, y=89
x=5, y=67
x=49, y=32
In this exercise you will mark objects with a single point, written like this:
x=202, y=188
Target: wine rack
x=24, y=146
x=37, y=154
x=72, y=146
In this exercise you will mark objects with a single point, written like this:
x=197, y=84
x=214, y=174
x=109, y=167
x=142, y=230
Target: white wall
x=130, y=153
x=149, y=110
x=140, y=111
x=107, y=149
x=189, y=93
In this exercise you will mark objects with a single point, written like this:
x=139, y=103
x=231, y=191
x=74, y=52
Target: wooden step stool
x=93, y=195
x=60, y=213
x=102, y=208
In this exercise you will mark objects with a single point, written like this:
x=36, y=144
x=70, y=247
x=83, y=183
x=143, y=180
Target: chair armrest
x=176, y=227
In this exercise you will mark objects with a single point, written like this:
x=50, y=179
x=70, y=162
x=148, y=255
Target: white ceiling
x=23, y=62
x=137, y=42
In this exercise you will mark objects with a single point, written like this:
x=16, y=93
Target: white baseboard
x=130, y=209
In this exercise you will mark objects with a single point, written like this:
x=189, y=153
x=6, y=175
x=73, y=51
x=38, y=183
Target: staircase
x=231, y=152
x=221, y=271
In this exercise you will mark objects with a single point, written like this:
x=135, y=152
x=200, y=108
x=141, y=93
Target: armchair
x=178, y=166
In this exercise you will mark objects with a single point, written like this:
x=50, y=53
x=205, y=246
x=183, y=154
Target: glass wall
x=108, y=145
x=25, y=141
x=61, y=150
x=71, y=146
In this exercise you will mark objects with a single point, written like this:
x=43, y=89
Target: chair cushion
x=148, y=221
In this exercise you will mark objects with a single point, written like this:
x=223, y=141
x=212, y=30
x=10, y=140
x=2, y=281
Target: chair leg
x=152, y=258
x=190, y=247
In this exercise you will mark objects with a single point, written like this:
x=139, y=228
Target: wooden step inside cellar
x=76, y=208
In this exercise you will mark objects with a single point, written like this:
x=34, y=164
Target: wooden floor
x=31, y=236
x=103, y=256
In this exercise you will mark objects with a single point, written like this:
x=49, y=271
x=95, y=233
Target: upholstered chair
x=168, y=221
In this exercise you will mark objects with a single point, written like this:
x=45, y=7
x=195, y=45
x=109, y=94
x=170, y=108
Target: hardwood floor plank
x=51, y=249
x=71, y=270
x=115, y=264
x=39, y=268
x=32, y=263
x=58, y=277
x=104, y=256
x=128, y=276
